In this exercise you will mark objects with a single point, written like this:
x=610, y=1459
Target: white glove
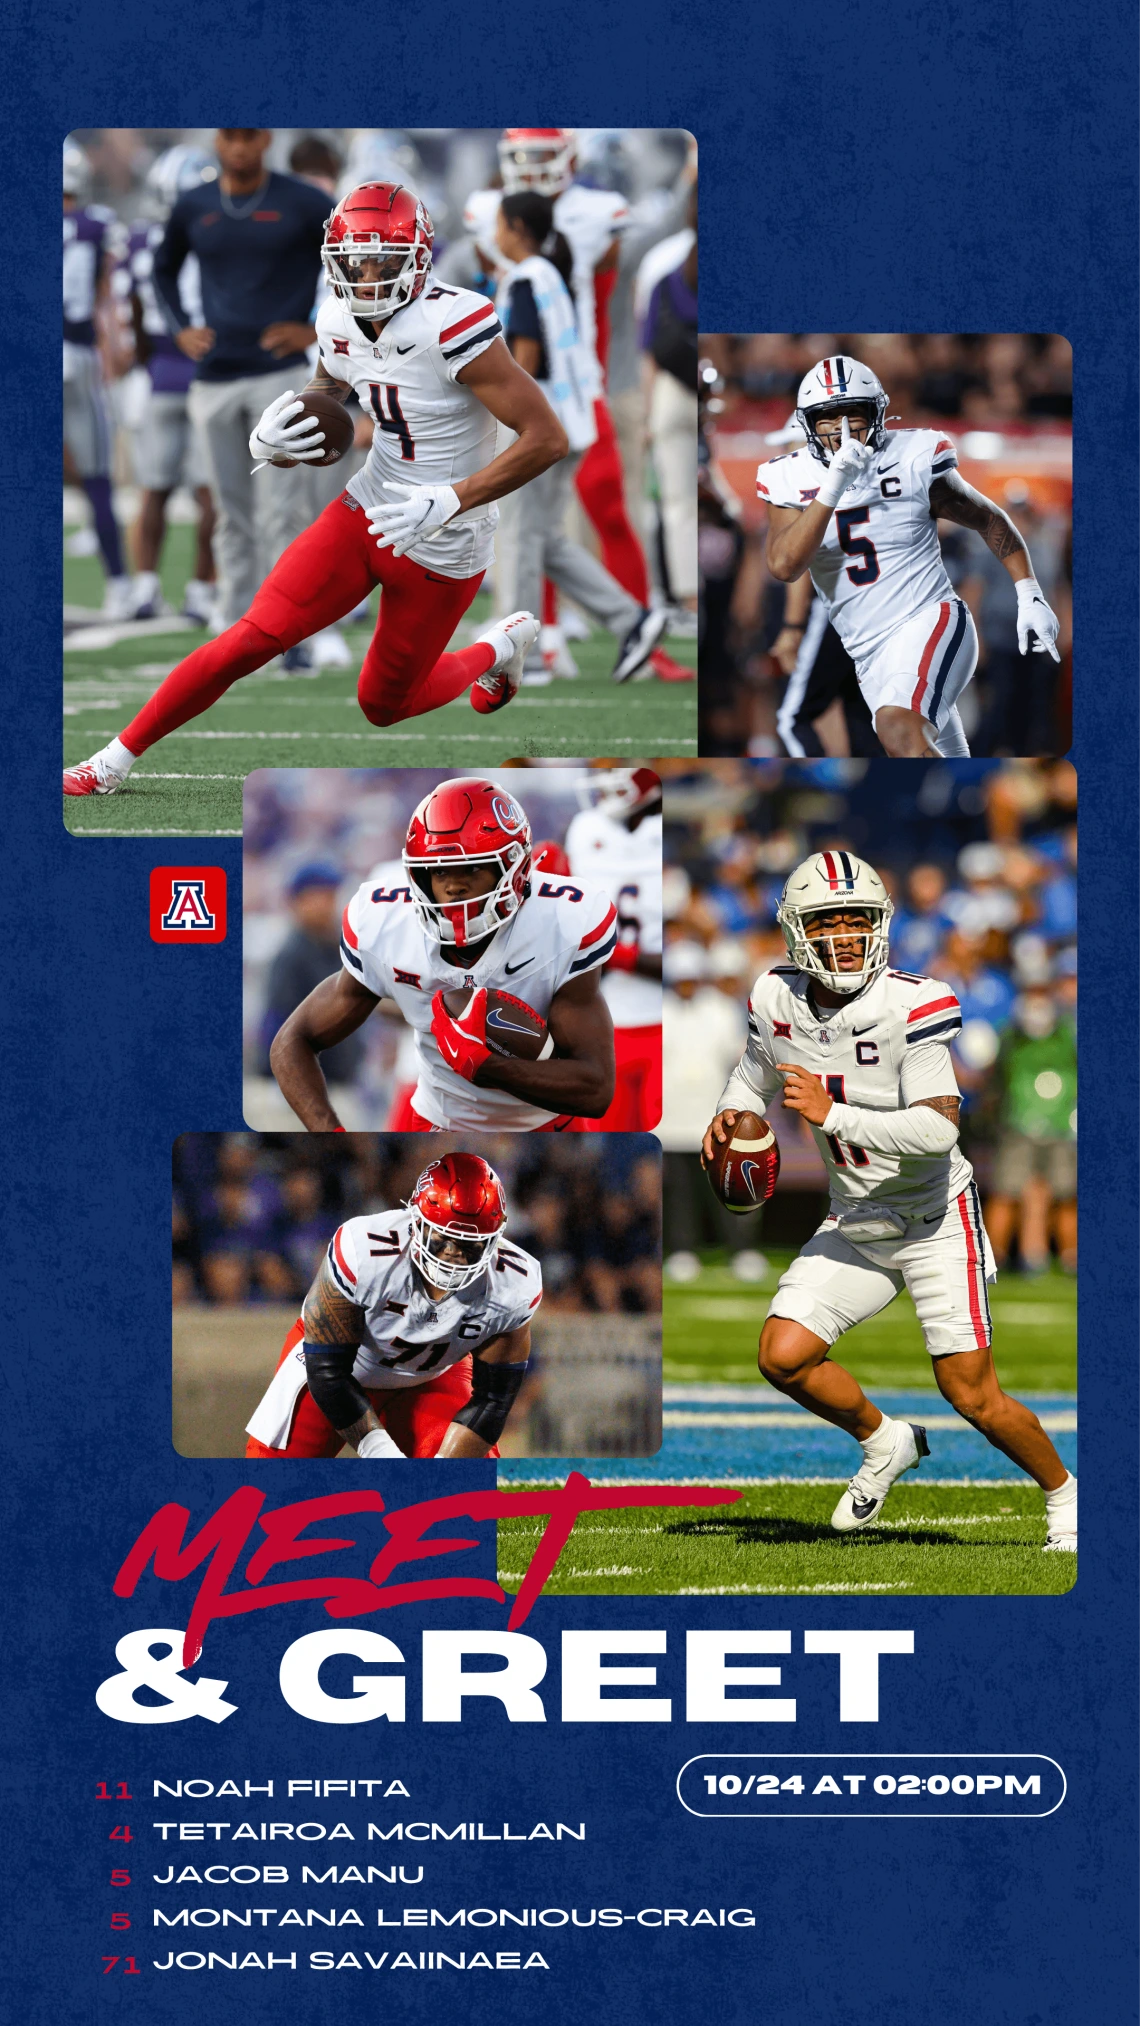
x=850, y=463
x=378, y=1442
x=421, y=514
x=1037, y=623
x=276, y=438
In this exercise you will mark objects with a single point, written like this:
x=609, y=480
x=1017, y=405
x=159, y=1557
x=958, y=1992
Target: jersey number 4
x=386, y=408
x=840, y=1154
x=868, y=569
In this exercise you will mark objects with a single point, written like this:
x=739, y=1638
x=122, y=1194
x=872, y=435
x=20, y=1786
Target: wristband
x=378, y=1442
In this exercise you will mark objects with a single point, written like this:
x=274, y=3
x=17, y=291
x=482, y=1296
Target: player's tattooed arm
x=333, y=1010
x=947, y=1107
x=332, y=1321
x=951, y=499
x=323, y=383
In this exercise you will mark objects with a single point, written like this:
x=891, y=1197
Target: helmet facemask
x=544, y=163
x=451, y=1275
x=456, y=923
x=818, y=955
x=871, y=412
x=403, y=271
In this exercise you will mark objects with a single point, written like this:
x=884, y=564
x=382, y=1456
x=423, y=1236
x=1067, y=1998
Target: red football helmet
x=468, y=823
x=386, y=224
x=538, y=158
x=457, y=1204
x=549, y=857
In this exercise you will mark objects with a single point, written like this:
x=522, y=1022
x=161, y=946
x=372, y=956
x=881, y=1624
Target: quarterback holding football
x=861, y=1051
x=415, y=1334
x=857, y=506
x=431, y=370
x=495, y=967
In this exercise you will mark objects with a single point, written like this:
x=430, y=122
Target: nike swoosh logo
x=864, y=1030
x=861, y=1507
x=406, y=348
x=510, y=969
x=885, y=468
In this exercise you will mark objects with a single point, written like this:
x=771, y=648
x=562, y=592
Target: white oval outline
x=873, y=1814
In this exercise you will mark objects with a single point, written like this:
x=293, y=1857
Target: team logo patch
x=188, y=904
x=808, y=491
x=341, y=345
x=507, y=813
x=407, y=978
x=783, y=1029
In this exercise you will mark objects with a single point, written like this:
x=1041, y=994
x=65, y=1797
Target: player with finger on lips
x=430, y=367
x=858, y=507
x=861, y=1052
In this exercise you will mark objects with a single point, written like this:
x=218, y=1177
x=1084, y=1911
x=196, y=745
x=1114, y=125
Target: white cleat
x=866, y=1494
x=512, y=640
x=119, y=599
x=93, y=777
x=556, y=656
x=1061, y=1544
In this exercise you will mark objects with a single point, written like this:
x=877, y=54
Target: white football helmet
x=175, y=170
x=538, y=158
x=838, y=384
x=619, y=791
x=76, y=172
x=822, y=885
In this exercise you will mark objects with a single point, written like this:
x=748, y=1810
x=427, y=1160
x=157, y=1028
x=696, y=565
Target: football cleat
x=556, y=656
x=512, y=640
x=92, y=777
x=664, y=667
x=118, y=599
x=640, y=642
x=866, y=1494
x=1061, y=1544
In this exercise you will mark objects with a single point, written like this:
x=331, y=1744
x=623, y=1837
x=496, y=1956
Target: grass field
x=967, y=1523
x=190, y=785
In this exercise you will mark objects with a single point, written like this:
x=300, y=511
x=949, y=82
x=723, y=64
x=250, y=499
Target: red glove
x=462, y=1043
x=624, y=957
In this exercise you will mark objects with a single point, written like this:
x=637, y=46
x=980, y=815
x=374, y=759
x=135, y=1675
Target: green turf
x=961, y=1540
x=190, y=785
x=712, y=1324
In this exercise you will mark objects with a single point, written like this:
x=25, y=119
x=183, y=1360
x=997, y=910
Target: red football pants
x=636, y=1106
x=417, y=1419
x=601, y=489
x=320, y=577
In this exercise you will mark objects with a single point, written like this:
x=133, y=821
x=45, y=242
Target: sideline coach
x=258, y=238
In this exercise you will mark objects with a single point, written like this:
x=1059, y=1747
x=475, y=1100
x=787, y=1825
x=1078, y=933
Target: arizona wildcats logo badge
x=188, y=904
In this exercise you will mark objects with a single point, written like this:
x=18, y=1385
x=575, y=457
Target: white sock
x=118, y=757
x=879, y=1445
x=952, y=742
x=1058, y=1503
x=145, y=585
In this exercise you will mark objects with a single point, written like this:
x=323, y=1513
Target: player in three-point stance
x=415, y=1334
x=429, y=366
x=862, y=1052
x=858, y=507
x=468, y=910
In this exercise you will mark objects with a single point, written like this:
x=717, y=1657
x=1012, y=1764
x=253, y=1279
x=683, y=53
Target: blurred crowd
x=253, y=1213
x=1006, y=400
x=980, y=859
x=311, y=835
x=135, y=461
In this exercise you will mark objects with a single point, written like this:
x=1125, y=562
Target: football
x=335, y=421
x=513, y=1027
x=744, y=1168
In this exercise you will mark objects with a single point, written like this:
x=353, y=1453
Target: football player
x=415, y=1334
x=617, y=839
x=468, y=913
x=592, y=222
x=93, y=241
x=166, y=451
x=429, y=364
x=862, y=1053
x=858, y=507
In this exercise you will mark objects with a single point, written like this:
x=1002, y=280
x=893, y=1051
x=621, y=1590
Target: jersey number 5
x=386, y=408
x=868, y=570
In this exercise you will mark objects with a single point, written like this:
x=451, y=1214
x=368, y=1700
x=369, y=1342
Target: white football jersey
x=409, y=1336
x=883, y=1049
x=879, y=561
x=429, y=430
x=629, y=862
x=587, y=219
x=561, y=931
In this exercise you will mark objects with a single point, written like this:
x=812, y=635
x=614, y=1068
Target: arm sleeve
x=918, y=1131
x=927, y=1072
x=942, y=457
x=360, y=963
x=771, y=485
x=598, y=940
x=473, y=325
x=168, y=260
x=755, y=1081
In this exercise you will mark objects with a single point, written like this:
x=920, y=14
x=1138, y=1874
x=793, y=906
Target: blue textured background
x=891, y=168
